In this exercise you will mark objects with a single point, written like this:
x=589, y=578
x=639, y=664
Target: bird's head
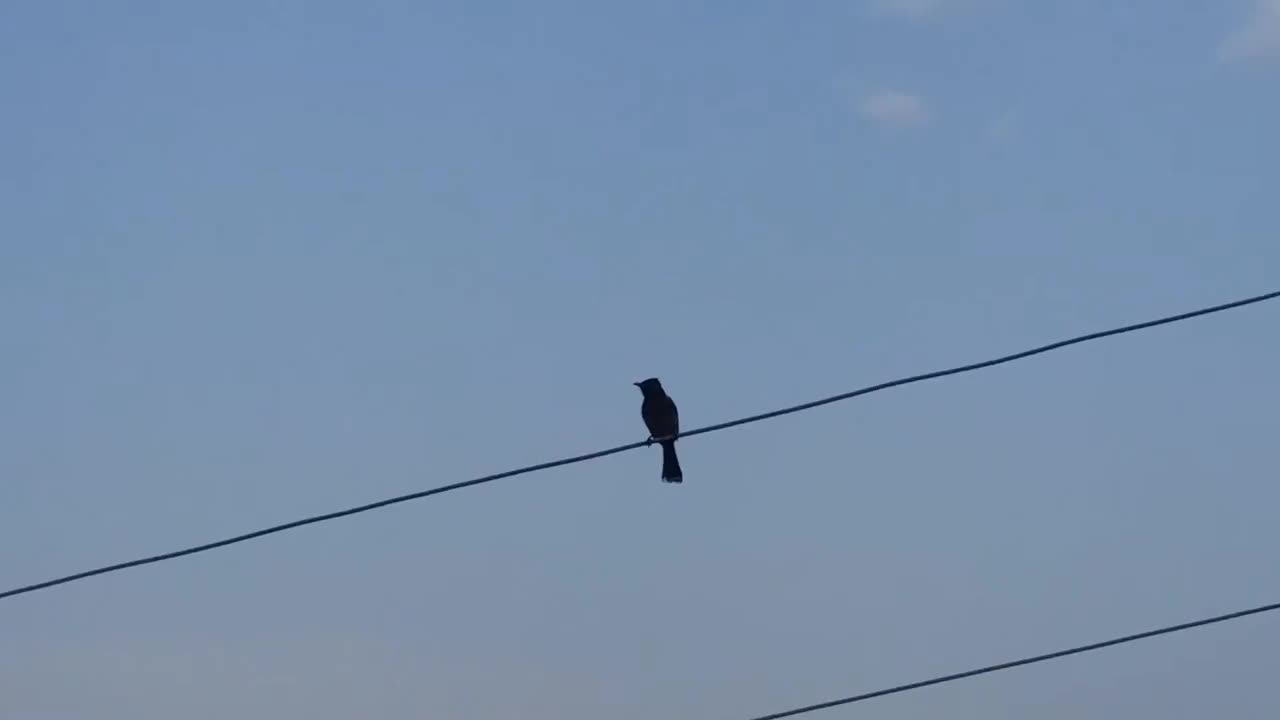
x=649, y=386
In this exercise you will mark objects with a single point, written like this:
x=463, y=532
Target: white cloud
x=1260, y=37
x=895, y=109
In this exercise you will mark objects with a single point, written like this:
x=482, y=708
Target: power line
x=630, y=446
x=1019, y=663
x=986, y=363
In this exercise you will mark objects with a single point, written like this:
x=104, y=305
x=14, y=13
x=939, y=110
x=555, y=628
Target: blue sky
x=261, y=260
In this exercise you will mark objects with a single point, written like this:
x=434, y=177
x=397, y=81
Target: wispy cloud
x=895, y=109
x=1260, y=37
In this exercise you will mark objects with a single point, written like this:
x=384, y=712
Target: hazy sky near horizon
x=262, y=260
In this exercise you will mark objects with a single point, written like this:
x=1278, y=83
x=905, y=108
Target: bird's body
x=663, y=421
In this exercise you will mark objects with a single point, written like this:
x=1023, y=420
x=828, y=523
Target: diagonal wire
x=1019, y=663
x=986, y=363
x=631, y=446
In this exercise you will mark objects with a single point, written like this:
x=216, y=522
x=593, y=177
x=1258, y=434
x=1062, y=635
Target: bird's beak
x=636, y=384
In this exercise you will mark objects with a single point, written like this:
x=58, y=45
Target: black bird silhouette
x=663, y=420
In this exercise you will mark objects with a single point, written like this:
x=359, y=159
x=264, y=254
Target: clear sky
x=266, y=259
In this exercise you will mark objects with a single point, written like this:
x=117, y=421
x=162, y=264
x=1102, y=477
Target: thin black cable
x=630, y=446
x=986, y=363
x=1019, y=663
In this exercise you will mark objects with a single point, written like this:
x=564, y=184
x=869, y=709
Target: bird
x=663, y=421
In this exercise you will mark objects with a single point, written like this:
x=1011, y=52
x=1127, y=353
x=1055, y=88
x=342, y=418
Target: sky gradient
x=262, y=260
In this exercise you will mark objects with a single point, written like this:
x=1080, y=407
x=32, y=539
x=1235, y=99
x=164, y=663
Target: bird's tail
x=671, y=464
